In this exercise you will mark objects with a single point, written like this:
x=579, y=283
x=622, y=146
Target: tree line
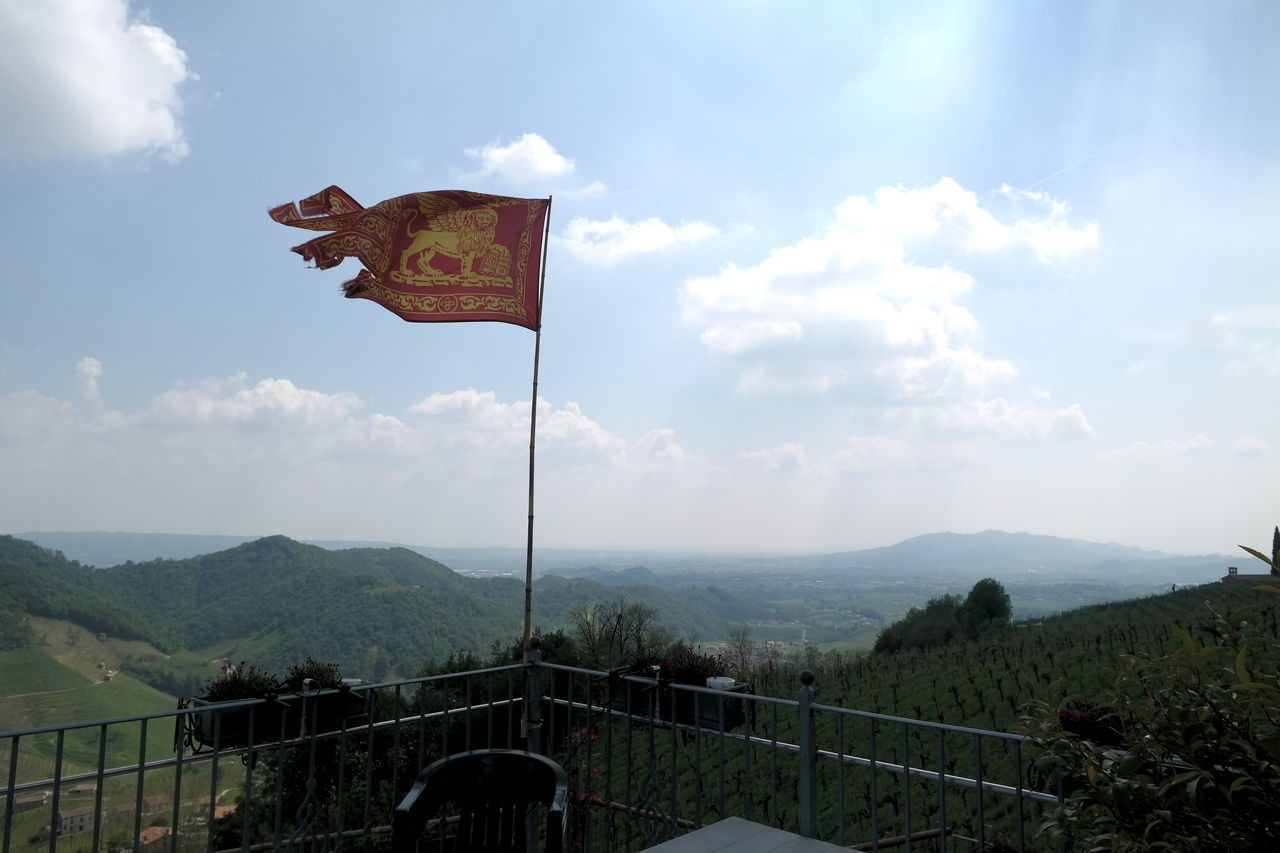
x=949, y=617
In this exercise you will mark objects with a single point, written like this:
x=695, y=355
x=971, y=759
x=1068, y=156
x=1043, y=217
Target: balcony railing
x=647, y=760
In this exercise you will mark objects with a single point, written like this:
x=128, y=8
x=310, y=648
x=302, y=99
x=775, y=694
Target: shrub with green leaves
x=1197, y=763
x=240, y=681
x=325, y=675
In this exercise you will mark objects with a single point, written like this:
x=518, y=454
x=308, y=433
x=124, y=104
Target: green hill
x=985, y=682
x=377, y=612
x=44, y=583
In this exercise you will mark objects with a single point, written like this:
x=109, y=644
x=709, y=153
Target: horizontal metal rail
x=845, y=758
x=658, y=795
x=190, y=758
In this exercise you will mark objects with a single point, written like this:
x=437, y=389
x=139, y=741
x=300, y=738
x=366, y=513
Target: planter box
x=216, y=724
x=327, y=711
x=636, y=698
x=719, y=710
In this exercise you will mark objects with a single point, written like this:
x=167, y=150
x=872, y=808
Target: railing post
x=532, y=721
x=808, y=759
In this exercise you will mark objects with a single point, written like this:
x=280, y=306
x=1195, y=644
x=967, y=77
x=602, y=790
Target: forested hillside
x=377, y=612
x=43, y=583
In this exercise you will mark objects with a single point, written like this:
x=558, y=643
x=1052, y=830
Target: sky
x=822, y=276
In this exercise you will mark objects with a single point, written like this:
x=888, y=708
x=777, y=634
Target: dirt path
x=53, y=692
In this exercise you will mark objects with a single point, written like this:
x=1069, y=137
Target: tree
x=615, y=633
x=14, y=630
x=381, y=665
x=741, y=649
x=987, y=604
x=989, y=600
x=947, y=617
x=936, y=624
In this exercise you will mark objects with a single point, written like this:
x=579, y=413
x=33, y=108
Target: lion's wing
x=442, y=214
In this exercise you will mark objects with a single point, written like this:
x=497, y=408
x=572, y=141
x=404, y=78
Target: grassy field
x=63, y=680
x=32, y=670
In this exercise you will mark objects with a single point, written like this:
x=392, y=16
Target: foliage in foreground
x=1274, y=560
x=1185, y=754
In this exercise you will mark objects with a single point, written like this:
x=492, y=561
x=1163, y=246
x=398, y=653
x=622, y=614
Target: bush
x=1194, y=758
x=947, y=618
x=325, y=675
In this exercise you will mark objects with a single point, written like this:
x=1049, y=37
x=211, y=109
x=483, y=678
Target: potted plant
x=215, y=725
x=326, y=699
x=633, y=689
x=683, y=665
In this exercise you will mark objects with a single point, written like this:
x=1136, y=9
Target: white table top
x=735, y=835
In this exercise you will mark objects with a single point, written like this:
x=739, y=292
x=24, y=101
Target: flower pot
x=326, y=712
x=290, y=715
x=718, y=711
x=636, y=698
x=226, y=725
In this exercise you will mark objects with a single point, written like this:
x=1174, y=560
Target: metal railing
x=647, y=760
x=655, y=759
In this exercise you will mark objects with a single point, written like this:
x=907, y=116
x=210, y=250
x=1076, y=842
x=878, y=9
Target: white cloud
x=788, y=456
x=1000, y=417
x=478, y=419
x=232, y=401
x=1049, y=235
x=731, y=340
x=595, y=189
x=570, y=426
x=657, y=454
x=874, y=452
x=29, y=417
x=607, y=241
x=529, y=158
x=947, y=211
x=270, y=456
x=1250, y=337
x=1169, y=448
x=814, y=379
x=88, y=373
x=851, y=309
x=88, y=79
x=1250, y=447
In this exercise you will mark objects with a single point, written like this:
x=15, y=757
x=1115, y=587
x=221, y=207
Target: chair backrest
x=491, y=792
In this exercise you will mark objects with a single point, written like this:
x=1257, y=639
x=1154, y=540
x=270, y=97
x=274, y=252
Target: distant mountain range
x=994, y=549
x=941, y=552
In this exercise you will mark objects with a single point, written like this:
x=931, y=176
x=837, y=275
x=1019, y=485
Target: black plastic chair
x=491, y=792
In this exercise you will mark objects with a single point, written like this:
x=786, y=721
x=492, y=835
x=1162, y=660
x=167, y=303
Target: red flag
x=438, y=257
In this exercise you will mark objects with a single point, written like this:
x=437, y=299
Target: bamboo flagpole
x=533, y=434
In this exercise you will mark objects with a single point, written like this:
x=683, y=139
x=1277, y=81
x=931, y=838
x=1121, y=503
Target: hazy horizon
x=738, y=553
